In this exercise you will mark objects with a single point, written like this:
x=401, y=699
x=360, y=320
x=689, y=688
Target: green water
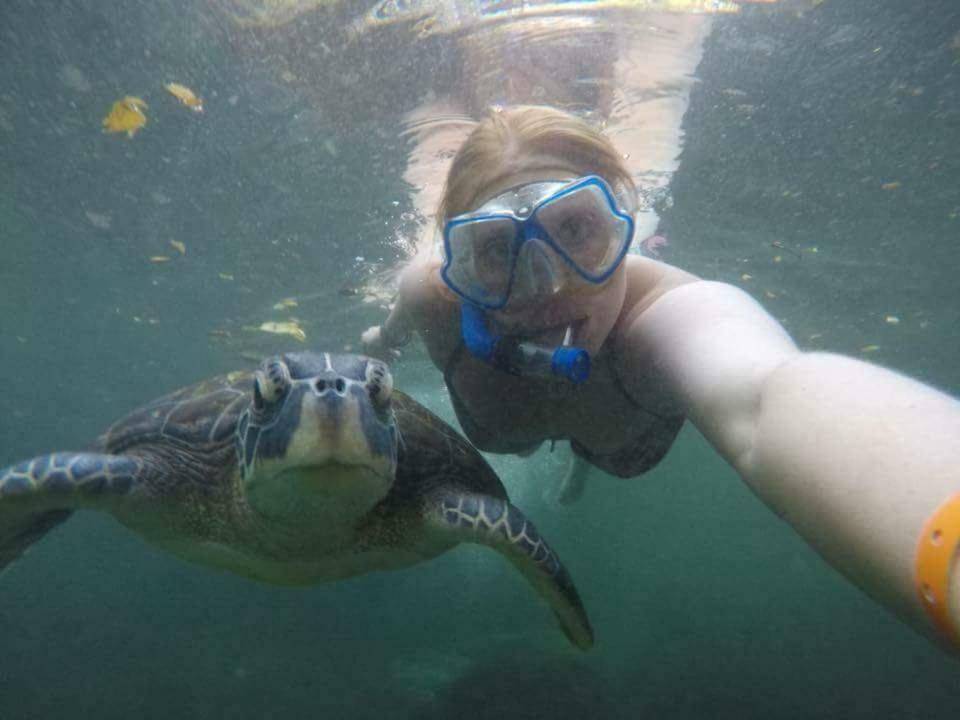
x=703, y=603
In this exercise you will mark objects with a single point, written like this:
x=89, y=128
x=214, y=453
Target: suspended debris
x=284, y=328
x=126, y=115
x=185, y=95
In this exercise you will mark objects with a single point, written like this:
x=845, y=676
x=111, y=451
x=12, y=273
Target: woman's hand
x=375, y=345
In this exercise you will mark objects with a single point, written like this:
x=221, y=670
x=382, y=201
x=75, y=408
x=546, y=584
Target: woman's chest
x=598, y=413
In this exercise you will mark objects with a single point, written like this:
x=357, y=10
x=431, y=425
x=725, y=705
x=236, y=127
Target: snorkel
x=520, y=357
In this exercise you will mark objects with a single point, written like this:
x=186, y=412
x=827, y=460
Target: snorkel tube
x=519, y=357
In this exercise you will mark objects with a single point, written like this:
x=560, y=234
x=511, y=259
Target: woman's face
x=588, y=309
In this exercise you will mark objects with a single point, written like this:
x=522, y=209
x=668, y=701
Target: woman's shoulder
x=647, y=281
x=422, y=288
x=433, y=309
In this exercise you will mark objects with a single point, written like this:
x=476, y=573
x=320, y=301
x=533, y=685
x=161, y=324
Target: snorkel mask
x=526, y=244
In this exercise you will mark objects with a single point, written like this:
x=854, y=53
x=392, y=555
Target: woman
x=535, y=218
x=616, y=420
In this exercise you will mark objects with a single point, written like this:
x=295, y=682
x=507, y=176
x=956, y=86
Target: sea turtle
x=310, y=469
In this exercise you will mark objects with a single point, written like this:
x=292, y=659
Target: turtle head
x=318, y=443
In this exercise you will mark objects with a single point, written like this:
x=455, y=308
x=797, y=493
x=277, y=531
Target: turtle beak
x=327, y=459
x=340, y=425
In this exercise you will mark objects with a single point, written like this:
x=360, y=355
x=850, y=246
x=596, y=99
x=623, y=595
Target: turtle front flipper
x=37, y=495
x=495, y=522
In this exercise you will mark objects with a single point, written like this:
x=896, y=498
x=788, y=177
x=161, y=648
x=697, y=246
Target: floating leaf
x=126, y=115
x=178, y=246
x=157, y=259
x=185, y=95
x=284, y=328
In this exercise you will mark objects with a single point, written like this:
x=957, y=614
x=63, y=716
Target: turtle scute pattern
x=60, y=473
x=205, y=413
x=492, y=516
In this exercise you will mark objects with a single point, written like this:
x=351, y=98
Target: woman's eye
x=493, y=254
x=573, y=230
x=494, y=250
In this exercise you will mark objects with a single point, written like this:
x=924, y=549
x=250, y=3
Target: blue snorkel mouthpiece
x=520, y=357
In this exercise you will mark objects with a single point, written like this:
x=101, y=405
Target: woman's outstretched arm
x=858, y=459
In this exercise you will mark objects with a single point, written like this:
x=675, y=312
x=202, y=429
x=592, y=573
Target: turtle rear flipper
x=498, y=524
x=37, y=495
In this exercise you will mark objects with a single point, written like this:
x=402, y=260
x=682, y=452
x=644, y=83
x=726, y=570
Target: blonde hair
x=523, y=138
x=515, y=139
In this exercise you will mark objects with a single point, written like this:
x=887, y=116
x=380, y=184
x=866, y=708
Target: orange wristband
x=939, y=542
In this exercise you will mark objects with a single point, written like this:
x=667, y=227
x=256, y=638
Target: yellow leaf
x=179, y=246
x=284, y=328
x=185, y=95
x=126, y=115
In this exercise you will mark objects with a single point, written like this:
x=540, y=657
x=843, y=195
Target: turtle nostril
x=339, y=385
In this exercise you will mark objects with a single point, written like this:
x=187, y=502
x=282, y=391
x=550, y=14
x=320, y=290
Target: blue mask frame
x=528, y=228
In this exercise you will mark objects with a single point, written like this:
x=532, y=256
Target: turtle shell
x=199, y=415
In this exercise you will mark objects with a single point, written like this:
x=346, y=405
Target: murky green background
x=703, y=603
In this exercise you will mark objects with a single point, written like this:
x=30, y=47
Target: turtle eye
x=270, y=382
x=379, y=382
x=258, y=381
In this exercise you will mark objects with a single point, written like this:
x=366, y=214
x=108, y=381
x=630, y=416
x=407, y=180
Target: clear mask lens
x=584, y=228
x=480, y=256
